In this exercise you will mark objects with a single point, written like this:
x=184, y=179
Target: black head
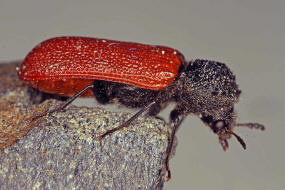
x=210, y=91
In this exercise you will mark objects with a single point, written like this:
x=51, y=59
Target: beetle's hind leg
x=63, y=105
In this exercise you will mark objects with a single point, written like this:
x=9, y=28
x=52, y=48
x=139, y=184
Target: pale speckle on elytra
x=165, y=74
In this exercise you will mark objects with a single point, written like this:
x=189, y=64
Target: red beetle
x=136, y=75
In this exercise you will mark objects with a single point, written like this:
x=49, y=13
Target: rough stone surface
x=61, y=151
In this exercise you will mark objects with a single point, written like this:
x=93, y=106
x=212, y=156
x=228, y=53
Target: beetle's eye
x=218, y=125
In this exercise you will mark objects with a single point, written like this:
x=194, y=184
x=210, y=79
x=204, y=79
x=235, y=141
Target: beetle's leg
x=224, y=143
x=63, y=105
x=176, y=117
x=251, y=125
x=127, y=123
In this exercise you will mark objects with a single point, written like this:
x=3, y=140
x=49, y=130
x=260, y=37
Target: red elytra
x=65, y=65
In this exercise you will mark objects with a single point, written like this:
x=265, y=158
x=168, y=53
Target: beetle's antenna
x=251, y=125
x=240, y=140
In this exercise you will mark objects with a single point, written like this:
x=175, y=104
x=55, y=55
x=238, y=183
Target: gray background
x=247, y=35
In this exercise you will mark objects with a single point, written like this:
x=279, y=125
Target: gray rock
x=61, y=151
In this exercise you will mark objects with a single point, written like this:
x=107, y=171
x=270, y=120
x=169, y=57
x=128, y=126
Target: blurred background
x=247, y=35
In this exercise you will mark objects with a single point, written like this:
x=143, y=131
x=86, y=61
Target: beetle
x=137, y=76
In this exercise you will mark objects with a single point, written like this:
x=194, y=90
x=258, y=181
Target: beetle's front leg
x=176, y=117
